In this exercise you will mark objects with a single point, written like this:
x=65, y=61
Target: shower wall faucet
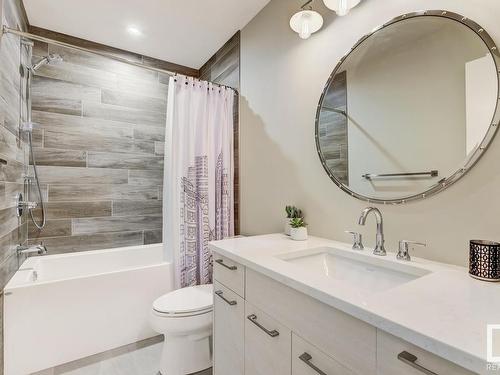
x=28, y=250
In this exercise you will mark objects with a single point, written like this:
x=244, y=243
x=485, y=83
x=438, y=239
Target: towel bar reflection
x=433, y=173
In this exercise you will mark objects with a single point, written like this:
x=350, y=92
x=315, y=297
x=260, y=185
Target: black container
x=484, y=260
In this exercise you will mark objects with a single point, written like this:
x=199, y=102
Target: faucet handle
x=404, y=252
x=357, y=240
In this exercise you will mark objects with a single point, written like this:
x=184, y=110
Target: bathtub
x=59, y=308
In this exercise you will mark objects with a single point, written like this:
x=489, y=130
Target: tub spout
x=28, y=250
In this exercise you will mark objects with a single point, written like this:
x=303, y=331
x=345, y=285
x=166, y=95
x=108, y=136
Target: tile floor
x=141, y=358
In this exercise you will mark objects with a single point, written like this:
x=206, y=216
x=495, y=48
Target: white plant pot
x=287, y=226
x=298, y=234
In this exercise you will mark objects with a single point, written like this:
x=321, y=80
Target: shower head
x=52, y=58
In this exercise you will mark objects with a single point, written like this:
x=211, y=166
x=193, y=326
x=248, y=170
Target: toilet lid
x=186, y=300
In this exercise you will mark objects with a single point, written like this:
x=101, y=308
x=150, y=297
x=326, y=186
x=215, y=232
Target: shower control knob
x=24, y=205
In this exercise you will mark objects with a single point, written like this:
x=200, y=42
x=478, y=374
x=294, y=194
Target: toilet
x=184, y=317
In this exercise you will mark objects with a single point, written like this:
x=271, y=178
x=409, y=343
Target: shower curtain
x=198, y=176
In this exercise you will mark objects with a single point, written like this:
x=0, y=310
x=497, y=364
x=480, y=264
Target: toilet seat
x=190, y=301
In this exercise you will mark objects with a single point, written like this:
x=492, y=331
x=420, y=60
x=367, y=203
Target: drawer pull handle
x=220, y=294
x=221, y=262
x=253, y=319
x=411, y=360
x=306, y=358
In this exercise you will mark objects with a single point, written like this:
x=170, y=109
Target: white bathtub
x=81, y=304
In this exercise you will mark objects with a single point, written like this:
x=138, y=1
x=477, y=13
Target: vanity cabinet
x=264, y=327
x=230, y=274
x=309, y=360
x=348, y=340
x=229, y=325
x=396, y=357
x=267, y=344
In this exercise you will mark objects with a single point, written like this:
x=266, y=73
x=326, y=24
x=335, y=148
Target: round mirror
x=410, y=108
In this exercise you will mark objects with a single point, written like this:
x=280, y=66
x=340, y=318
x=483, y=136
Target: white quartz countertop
x=445, y=312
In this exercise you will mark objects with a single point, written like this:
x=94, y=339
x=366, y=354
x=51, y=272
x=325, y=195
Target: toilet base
x=182, y=355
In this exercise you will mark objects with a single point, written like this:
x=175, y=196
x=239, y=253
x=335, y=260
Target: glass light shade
x=306, y=22
x=341, y=7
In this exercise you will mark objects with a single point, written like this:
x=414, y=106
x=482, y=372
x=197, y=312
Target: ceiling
x=186, y=32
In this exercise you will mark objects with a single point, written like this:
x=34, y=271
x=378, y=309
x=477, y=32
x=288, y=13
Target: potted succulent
x=298, y=232
x=292, y=212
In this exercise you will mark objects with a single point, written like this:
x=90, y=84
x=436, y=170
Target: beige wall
x=282, y=78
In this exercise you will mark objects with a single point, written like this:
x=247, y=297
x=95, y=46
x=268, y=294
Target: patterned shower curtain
x=198, y=176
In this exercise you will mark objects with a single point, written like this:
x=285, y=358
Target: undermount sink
x=365, y=273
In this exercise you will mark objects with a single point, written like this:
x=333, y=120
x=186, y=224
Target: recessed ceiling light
x=134, y=30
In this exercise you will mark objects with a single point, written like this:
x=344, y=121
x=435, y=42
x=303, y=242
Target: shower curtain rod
x=8, y=30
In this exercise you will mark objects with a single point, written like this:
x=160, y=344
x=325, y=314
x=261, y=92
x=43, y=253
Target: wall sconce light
x=341, y=7
x=306, y=21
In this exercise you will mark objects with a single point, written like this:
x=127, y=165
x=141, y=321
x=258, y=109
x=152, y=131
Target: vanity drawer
x=267, y=344
x=348, y=340
x=229, y=328
x=230, y=274
x=389, y=347
x=308, y=360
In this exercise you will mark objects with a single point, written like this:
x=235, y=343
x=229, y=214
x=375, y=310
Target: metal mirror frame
x=472, y=159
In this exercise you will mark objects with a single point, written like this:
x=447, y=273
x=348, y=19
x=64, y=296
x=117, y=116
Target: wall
x=282, y=78
x=99, y=151
x=224, y=68
x=13, y=231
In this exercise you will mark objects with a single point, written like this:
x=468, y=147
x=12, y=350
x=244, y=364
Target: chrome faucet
x=379, y=246
x=27, y=250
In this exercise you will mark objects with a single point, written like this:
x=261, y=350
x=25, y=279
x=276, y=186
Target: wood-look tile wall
x=99, y=151
x=224, y=68
x=13, y=231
